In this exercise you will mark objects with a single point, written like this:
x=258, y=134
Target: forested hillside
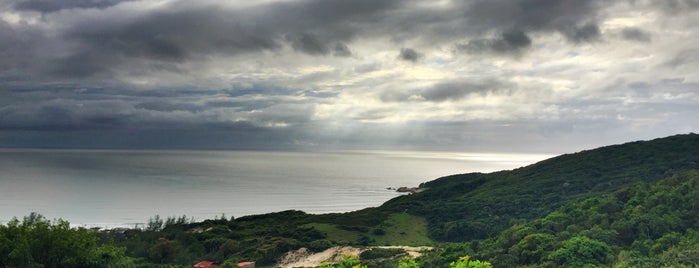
x=641, y=225
x=476, y=205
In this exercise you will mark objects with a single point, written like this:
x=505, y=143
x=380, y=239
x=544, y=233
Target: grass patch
x=401, y=229
x=335, y=233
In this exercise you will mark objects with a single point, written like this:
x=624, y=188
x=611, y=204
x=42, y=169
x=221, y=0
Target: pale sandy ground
x=304, y=258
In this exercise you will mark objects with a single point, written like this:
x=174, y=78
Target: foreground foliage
x=348, y=261
x=37, y=242
x=466, y=262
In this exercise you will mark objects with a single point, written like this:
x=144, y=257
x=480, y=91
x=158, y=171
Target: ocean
x=124, y=188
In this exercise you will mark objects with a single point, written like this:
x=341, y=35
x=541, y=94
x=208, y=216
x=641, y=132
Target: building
x=206, y=264
x=247, y=264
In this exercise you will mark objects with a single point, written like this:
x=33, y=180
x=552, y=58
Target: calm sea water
x=125, y=188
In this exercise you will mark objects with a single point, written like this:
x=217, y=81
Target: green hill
x=474, y=206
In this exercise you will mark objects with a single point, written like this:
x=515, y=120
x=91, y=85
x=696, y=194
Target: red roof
x=245, y=263
x=205, y=264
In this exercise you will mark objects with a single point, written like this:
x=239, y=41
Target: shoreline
x=141, y=224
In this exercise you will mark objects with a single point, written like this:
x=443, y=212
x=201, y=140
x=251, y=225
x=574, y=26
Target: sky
x=535, y=76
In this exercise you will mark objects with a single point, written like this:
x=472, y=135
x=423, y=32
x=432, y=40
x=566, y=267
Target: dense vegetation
x=630, y=205
x=262, y=238
x=475, y=206
x=37, y=242
x=643, y=225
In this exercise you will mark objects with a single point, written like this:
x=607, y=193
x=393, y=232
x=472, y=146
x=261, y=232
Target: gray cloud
x=265, y=74
x=393, y=96
x=171, y=35
x=308, y=44
x=374, y=114
x=635, y=34
x=19, y=47
x=184, y=31
x=157, y=122
x=69, y=109
x=60, y=115
x=341, y=50
x=168, y=106
x=83, y=64
x=686, y=57
x=336, y=19
x=677, y=6
x=585, y=33
x=45, y=6
x=409, y=54
x=456, y=90
x=575, y=19
x=449, y=91
x=510, y=42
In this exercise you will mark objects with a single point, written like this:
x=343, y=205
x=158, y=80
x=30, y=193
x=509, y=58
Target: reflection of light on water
x=493, y=158
x=124, y=188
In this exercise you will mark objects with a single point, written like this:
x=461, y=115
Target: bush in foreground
x=38, y=242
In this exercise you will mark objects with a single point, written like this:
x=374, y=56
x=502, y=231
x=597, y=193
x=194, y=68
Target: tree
x=466, y=262
x=580, y=251
x=534, y=247
x=163, y=251
x=408, y=263
x=38, y=242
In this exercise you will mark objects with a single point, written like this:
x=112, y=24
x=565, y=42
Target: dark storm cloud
x=409, y=54
x=45, y=6
x=337, y=18
x=510, y=42
x=170, y=35
x=66, y=108
x=77, y=92
x=156, y=113
x=575, y=19
x=513, y=39
x=635, y=34
x=83, y=64
x=60, y=115
x=182, y=31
